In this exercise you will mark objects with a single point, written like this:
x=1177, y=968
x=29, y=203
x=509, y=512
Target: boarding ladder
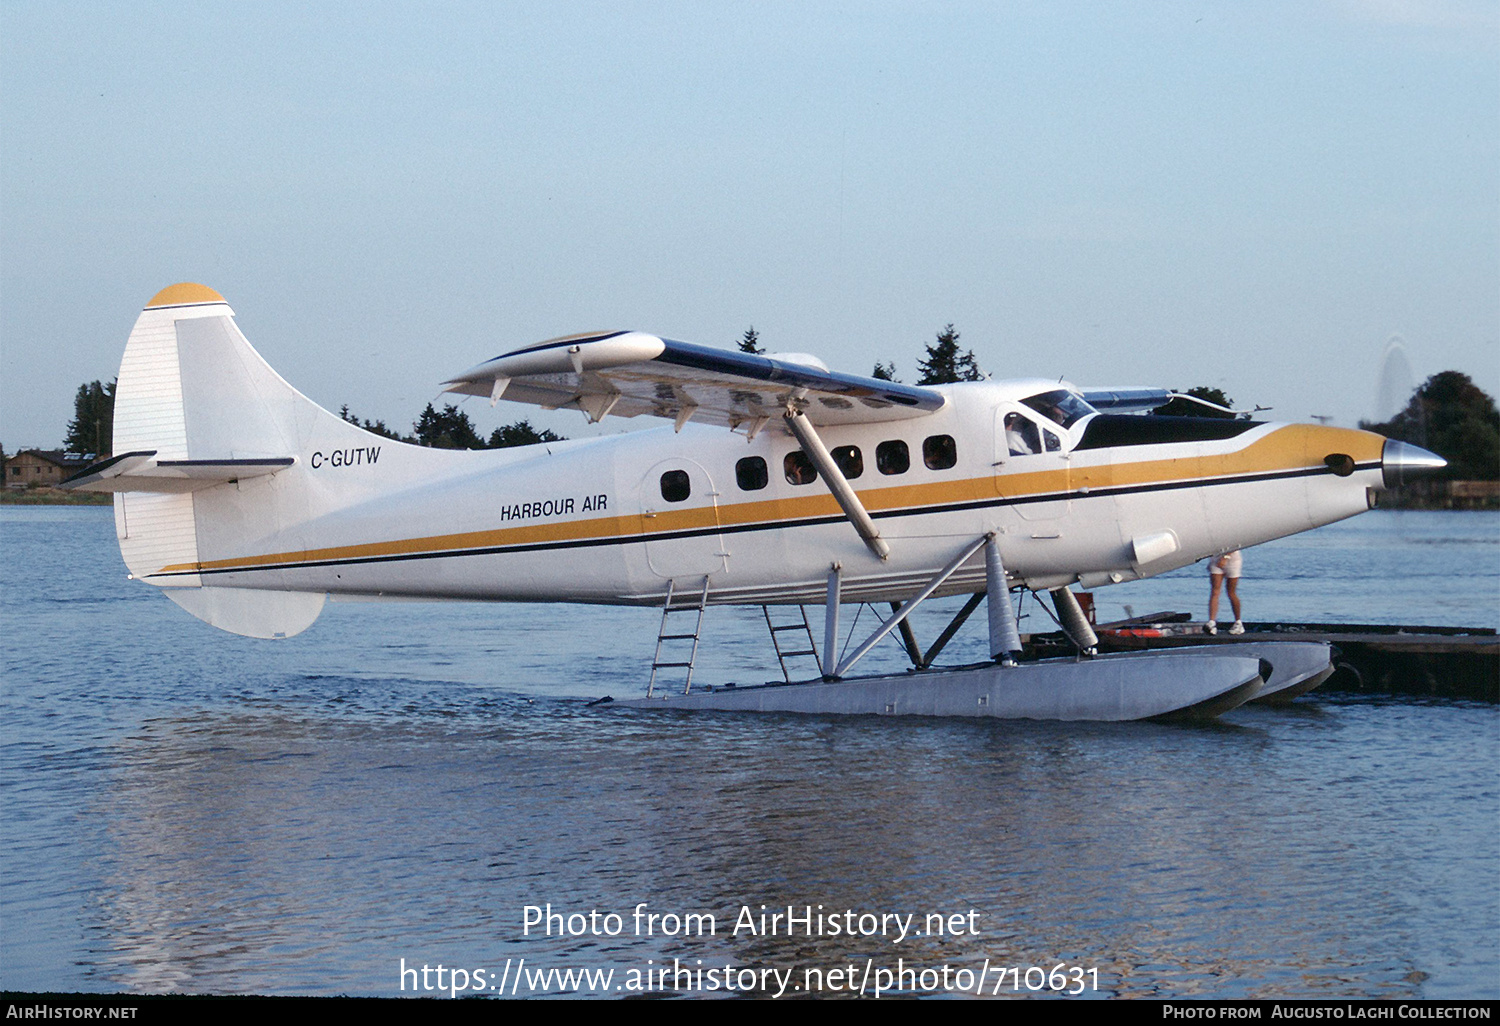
x=662, y=638
x=782, y=655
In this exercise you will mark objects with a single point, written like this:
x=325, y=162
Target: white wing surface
x=1143, y=400
x=1126, y=400
x=629, y=373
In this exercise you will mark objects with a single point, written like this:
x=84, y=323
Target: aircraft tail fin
x=210, y=437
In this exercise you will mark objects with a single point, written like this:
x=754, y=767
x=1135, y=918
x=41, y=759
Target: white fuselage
x=614, y=519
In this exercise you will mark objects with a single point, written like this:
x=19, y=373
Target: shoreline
x=1443, y=495
x=48, y=496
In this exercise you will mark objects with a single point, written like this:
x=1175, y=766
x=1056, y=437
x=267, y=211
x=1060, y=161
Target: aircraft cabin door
x=1031, y=466
x=680, y=521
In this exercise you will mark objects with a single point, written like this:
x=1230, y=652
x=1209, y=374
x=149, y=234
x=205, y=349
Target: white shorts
x=1232, y=564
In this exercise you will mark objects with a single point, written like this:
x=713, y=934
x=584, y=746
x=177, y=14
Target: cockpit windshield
x=1060, y=406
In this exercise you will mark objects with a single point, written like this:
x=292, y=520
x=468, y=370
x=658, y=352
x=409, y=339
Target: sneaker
x=1238, y=628
x=1210, y=627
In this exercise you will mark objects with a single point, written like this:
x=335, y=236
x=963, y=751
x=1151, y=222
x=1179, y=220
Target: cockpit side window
x=1060, y=406
x=1021, y=436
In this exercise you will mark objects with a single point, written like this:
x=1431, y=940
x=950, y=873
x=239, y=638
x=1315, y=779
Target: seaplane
x=773, y=481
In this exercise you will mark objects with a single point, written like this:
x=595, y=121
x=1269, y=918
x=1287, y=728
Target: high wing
x=1126, y=400
x=1143, y=400
x=630, y=373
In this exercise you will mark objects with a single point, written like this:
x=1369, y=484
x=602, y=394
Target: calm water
x=189, y=811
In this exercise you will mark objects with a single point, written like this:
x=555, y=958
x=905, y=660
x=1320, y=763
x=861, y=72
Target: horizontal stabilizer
x=629, y=373
x=143, y=472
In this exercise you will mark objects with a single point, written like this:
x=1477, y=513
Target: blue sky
x=1253, y=196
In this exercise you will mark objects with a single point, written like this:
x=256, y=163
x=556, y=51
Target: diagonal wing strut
x=828, y=470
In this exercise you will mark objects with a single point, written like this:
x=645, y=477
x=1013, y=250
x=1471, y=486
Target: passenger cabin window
x=799, y=469
x=675, y=485
x=751, y=473
x=849, y=460
x=939, y=452
x=892, y=457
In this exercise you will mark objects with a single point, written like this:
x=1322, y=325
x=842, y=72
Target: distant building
x=43, y=467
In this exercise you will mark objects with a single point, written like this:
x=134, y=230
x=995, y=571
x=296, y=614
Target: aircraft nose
x=1401, y=462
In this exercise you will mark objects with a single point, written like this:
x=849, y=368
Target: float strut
x=831, y=623
x=952, y=629
x=1074, y=624
x=913, y=650
x=1005, y=641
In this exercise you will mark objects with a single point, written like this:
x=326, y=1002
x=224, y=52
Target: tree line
x=92, y=426
x=943, y=364
x=451, y=428
x=1447, y=414
x=1450, y=415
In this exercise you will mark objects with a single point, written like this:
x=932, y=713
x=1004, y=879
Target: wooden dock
x=1372, y=659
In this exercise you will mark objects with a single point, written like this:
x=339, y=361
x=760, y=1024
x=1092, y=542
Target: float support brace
x=1074, y=624
x=910, y=605
x=1005, y=641
x=913, y=650
x=953, y=625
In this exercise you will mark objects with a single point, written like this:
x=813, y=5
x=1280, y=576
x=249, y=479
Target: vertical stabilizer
x=192, y=388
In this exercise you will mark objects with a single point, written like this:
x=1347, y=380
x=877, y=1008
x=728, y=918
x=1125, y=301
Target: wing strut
x=807, y=437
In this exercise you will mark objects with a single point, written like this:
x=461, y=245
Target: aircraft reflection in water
x=779, y=483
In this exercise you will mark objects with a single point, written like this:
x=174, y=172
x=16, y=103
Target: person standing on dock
x=1226, y=566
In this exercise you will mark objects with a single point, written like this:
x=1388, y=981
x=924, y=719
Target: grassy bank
x=51, y=497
